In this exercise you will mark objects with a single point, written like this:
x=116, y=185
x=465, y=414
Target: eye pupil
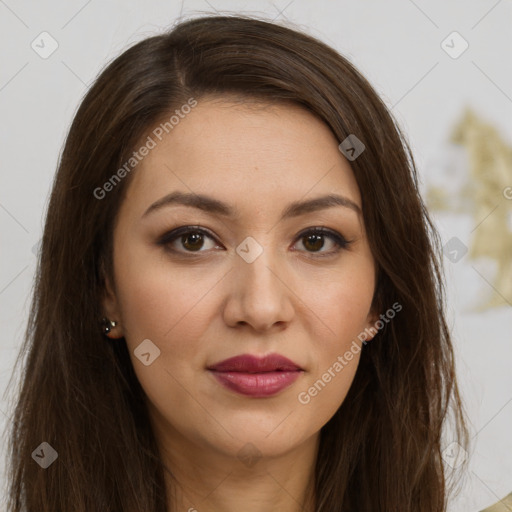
x=195, y=239
x=317, y=241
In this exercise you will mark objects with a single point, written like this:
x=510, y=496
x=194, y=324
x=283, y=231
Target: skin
x=201, y=307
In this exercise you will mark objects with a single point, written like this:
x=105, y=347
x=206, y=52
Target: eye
x=314, y=241
x=190, y=238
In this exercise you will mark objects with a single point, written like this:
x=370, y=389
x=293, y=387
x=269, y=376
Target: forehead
x=247, y=154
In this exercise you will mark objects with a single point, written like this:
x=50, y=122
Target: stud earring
x=107, y=325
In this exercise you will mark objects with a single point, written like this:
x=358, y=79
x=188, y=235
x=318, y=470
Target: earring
x=107, y=325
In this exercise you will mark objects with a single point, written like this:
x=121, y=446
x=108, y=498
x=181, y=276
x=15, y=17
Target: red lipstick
x=256, y=376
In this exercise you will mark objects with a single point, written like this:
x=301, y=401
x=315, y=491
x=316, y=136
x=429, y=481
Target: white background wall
x=396, y=44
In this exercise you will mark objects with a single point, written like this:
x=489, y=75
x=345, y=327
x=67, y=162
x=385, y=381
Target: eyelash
x=173, y=235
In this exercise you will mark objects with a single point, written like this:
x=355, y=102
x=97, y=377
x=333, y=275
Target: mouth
x=256, y=376
x=253, y=364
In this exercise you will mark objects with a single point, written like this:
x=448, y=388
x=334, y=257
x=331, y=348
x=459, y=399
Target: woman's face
x=252, y=280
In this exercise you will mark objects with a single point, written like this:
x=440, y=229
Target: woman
x=239, y=302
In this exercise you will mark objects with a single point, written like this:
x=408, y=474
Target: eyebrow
x=212, y=205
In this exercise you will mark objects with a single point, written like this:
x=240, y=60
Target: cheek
x=158, y=300
x=332, y=373
x=172, y=310
x=342, y=303
x=342, y=308
x=324, y=392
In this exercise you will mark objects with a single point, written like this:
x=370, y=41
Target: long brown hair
x=382, y=450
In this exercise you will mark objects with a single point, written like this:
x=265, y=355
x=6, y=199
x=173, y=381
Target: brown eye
x=313, y=242
x=188, y=239
x=192, y=241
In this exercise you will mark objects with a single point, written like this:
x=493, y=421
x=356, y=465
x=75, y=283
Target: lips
x=256, y=376
x=253, y=364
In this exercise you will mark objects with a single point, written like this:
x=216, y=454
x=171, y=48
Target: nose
x=259, y=294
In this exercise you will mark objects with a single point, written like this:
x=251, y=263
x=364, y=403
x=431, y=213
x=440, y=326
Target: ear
x=370, y=328
x=111, y=310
